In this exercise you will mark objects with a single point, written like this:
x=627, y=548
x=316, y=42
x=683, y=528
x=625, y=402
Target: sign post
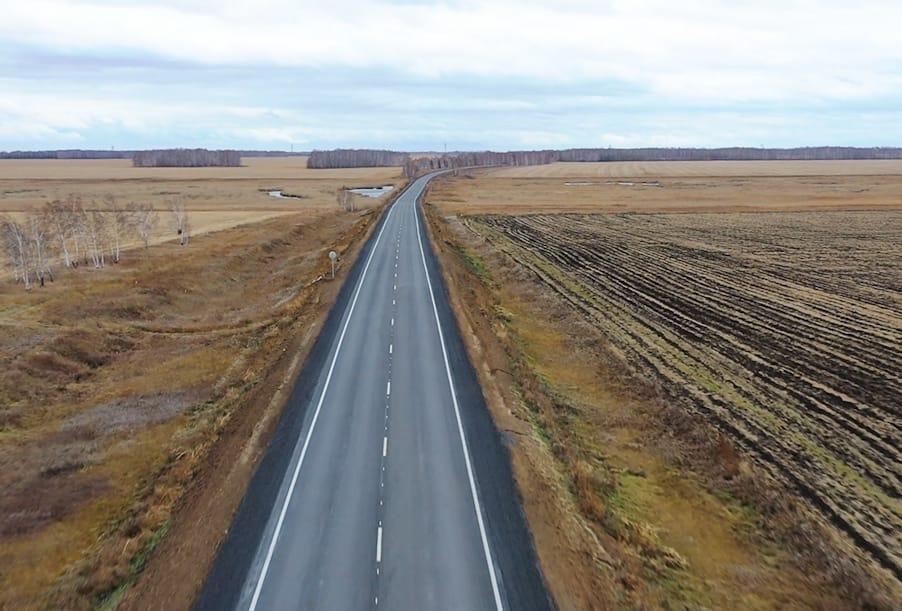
x=333, y=256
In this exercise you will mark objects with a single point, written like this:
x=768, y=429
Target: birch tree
x=115, y=224
x=15, y=246
x=77, y=219
x=180, y=220
x=346, y=200
x=57, y=220
x=94, y=231
x=144, y=220
x=38, y=244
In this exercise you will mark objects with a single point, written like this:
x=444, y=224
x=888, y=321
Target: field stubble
x=748, y=186
x=781, y=331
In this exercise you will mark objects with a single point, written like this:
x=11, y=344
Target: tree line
x=416, y=164
x=186, y=158
x=355, y=158
x=808, y=153
x=123, y=154
x=71, y=233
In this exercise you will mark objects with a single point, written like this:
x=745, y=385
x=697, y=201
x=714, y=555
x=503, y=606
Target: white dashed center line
x=379, y=545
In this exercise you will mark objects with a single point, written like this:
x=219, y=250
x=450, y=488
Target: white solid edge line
x=460, y=429
x=297, y=470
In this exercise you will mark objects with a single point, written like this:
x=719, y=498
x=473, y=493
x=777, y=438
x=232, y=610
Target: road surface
x=386, y=486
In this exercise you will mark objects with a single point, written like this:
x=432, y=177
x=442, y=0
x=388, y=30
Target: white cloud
x=527, y=72
x=789, y=49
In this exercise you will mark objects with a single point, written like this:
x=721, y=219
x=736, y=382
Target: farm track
x=783, y=329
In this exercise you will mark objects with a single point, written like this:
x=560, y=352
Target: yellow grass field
x=637, y=169
x=692, y=186
x=252, y=168
x=216, y=198
x=124, y=391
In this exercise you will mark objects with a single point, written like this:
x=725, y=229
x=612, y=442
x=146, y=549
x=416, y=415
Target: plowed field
x=784, y=330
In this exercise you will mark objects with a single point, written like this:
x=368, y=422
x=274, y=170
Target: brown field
x=705, y=169
x=682, y=187
x=135, y=399
x=718, y=393
x=784, y=331
x=252, y=168
x=216, y=198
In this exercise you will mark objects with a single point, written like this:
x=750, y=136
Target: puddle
x=373, y=191
x=283, y=195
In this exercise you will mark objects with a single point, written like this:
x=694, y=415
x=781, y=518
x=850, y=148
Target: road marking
x=460, y=429
x=384, y=446
x=393, y=322
x=393, y=302
x=319, y=405
x=396, y=287
x=390, y=348
x=388, y=388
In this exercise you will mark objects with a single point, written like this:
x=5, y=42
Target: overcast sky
x=466, y=74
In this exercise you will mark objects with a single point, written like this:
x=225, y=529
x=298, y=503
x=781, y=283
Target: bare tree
x=116, y=224
x=93, y=229
x=77, y=220
x=38, y=243
x=144, y=220
x=180, y=220
x=346, y=200
x=15, y=245
x=57, y=219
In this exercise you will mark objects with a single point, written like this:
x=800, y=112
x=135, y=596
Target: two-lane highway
x=379, y=505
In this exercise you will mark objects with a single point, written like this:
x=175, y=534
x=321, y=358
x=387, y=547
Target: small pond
x=373, y=191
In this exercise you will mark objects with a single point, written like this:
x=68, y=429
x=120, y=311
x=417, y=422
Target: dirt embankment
x=136, y=402
x=633, y=501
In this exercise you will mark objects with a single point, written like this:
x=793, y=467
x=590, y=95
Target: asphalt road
x=386, y=485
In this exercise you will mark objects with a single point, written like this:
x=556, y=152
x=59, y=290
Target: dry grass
x=712, y=189
x=672, y=169
x=115, y=383
x=656, y=485
x=216, y=198
x=252, y=168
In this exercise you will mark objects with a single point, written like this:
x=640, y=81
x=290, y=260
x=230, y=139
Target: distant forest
x=186, y=158
x=123, y=154
x=417, y=163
